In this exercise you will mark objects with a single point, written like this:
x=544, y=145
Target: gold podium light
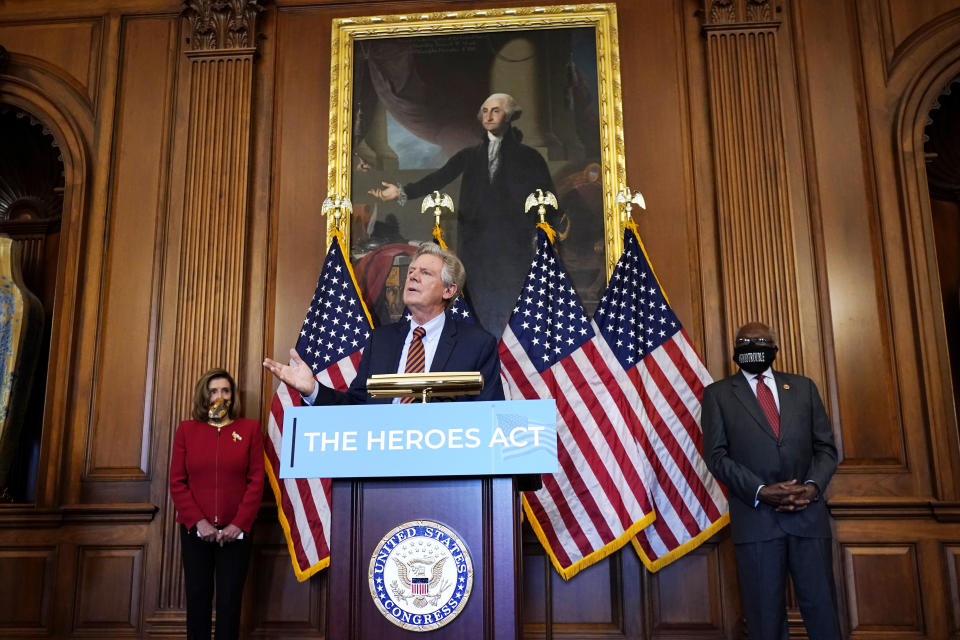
x=426, y=385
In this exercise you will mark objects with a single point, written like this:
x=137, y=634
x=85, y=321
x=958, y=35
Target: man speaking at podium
x=432, y=341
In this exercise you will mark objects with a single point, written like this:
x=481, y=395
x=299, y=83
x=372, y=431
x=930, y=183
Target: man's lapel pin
x=786, y=386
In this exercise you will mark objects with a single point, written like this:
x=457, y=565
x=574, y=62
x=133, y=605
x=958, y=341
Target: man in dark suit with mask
x=766, y=436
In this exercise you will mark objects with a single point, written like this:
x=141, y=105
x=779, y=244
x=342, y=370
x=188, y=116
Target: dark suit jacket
x=462, y=347
x=743, y=453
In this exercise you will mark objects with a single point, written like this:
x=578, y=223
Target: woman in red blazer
x=216, y=482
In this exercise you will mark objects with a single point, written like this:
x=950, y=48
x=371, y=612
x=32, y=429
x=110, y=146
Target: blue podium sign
x=434, y=439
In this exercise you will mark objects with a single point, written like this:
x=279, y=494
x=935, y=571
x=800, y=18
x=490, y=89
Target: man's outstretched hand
x=386, y=192
x=296, y=374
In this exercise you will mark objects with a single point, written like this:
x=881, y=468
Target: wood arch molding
x=916, y=101
x=52, y=100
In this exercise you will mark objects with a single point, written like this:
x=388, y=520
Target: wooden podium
x=425, y=526
x=482, y=511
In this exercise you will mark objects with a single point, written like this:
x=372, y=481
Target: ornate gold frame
x=602, y=17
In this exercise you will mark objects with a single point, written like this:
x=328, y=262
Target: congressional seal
x=420, y=575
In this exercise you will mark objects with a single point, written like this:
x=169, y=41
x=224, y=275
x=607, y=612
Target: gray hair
x=510, y=106
x=452, y=272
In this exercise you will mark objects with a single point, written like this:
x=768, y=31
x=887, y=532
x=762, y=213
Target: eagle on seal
x=417, y=568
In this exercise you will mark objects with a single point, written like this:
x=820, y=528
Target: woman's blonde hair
x=201, y=394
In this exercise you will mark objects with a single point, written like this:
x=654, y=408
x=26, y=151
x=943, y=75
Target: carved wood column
x=757, y=251
x=213, y=233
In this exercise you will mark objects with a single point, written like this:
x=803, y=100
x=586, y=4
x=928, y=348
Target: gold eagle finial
x=540, y=200
x=625, y=201
x=438, y=202
x=340, y=206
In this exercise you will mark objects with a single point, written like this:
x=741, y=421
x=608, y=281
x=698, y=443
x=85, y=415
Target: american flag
x=662, y=379
x=331, y=342
x=598, y=499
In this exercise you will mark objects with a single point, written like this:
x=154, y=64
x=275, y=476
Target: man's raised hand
x=296, y=374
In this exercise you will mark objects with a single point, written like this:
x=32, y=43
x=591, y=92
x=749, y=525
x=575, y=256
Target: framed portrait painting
x=486, y=106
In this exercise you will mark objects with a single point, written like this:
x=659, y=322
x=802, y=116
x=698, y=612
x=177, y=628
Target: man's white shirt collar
x=752, y=377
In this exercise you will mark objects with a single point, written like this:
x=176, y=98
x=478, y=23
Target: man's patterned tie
x=416, y=357
x=767, y=403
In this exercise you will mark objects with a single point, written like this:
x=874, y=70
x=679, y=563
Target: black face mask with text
x=754, y=359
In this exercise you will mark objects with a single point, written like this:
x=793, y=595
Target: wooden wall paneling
x=630, y=593
x=207, y=251
x=108, y=591
x=258, y=315
x=120, y=435
x=851, y=259
x=299, y=168
x=214, y=222
x=42, y=89
x=951, y=567
x=856, y=95
x=717, y=338
x=26, y=593
x=762, y=211
x=166, y=615
x=71, y=48
x=603, y=601
x=904, y=24
x=279, y=605
x=158, y=150
x=534, y=604
x=894, y=576
x=932, y=64
x=89, y=269
x=898, y=101
x=659, y=152
x=869, y=573
x=591, y=600
x=92, y=576
x=829, y=387
x=686, y=595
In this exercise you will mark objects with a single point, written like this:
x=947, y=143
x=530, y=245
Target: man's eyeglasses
x=760, y=342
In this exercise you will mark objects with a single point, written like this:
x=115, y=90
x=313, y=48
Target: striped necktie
x=769, y=405
x=415, y=357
